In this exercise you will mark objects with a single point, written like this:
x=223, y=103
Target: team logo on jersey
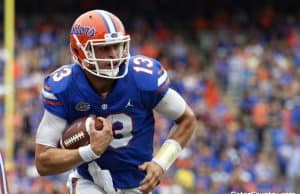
x=82, y=106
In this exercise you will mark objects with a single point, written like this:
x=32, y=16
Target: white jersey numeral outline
x=125, y=131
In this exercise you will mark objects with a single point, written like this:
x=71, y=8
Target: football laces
x=73, y=139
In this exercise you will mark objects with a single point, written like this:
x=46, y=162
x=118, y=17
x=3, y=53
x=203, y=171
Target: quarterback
x=122, y=91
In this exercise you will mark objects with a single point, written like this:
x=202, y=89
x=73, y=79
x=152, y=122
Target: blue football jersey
x=129, y=106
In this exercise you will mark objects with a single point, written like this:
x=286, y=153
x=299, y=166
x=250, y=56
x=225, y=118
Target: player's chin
x=109, y=65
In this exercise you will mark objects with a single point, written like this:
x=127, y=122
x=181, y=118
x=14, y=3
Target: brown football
x=76, y=134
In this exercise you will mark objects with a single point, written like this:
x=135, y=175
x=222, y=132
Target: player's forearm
x=186, y=125
x=53, y=160
x=178, y=139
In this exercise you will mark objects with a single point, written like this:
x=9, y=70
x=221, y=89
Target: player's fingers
x=143, y=166
x=90, y=124
x=101, y=118
x=151, y=180
x=158, y=182
x=106, y=123
x=147, y=178
x=145, y=182
x=149, y=185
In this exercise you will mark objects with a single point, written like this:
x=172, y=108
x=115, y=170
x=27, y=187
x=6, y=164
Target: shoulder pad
x=57, y=81
x=148, y=73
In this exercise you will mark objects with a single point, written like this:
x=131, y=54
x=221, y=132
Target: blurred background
x=237, y=63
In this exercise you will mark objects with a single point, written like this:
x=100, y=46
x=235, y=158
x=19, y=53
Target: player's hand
x=153, y=175
x=100, y=139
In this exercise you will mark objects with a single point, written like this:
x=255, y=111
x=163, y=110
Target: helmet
x=96, y=30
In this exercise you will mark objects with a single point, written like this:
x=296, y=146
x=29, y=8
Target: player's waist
x=122, y=179
x=123, y=160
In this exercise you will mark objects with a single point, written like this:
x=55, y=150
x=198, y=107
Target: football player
x=122, y=91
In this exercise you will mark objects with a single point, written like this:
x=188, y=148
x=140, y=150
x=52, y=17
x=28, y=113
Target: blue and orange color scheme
x=129, y=107
x=99, y=28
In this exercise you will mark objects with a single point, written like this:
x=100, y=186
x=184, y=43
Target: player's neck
x=101, y=85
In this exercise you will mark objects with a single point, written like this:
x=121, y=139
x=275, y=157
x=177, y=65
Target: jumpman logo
x=129, y=104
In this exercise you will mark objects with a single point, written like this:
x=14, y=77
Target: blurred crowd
x=240, y=74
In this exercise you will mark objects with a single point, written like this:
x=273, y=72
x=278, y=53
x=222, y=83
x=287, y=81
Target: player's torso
x=122, y=106
x=128, y=106
x=132, y=123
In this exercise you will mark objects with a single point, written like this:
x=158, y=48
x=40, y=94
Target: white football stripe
x=162, y=78
x=108, y=21
x=48, y=95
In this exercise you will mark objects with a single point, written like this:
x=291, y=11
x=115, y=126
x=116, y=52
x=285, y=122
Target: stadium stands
x=239, y=71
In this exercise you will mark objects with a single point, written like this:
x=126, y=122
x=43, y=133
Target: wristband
x=167, y=154
x=87, y=154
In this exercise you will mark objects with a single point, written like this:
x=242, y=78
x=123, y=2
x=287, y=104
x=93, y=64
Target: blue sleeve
x=151, y=78
x=53, y=93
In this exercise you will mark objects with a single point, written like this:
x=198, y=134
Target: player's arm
x=173, y=106
x=51, y=160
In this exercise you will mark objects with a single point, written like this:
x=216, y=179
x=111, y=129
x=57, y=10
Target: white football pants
x=102, y=183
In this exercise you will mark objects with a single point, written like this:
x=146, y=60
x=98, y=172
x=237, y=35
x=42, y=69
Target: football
x=77, y=134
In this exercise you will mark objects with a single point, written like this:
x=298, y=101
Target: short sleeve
x=152, y=79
